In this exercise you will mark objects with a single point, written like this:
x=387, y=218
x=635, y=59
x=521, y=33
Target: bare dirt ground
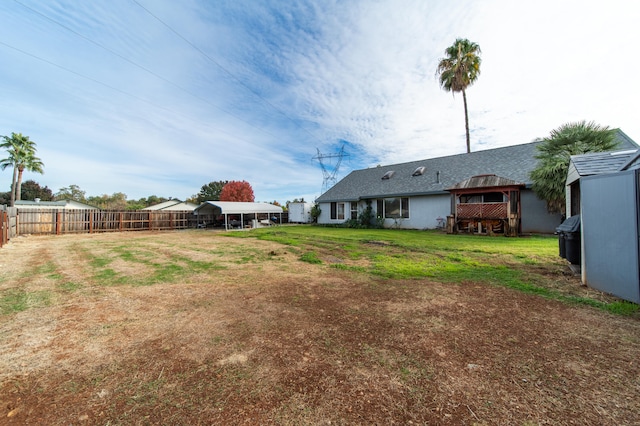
x=268, y=339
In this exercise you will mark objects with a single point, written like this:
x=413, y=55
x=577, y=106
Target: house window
x=393, y=208
x=337, y=211
x=354, y=210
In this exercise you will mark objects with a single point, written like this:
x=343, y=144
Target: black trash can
x=569, y=240
x=562, y=245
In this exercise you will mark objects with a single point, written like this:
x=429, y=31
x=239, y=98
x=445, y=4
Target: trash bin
x=569, y=240
x=562, y=244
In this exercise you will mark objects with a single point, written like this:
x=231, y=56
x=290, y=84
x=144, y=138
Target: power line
x=113, y=52
x=229, y=73
x=39, y=58
x=329, y=175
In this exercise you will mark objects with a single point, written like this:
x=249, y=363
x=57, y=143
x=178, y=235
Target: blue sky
x=159, y=97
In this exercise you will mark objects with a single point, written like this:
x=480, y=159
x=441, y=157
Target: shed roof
x=596, y=163
x=236, y=207
x=62, y=204
x=174, y=205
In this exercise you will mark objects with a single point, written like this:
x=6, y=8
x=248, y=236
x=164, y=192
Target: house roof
x=513, y=162
x=236, y=207
x=62, y=204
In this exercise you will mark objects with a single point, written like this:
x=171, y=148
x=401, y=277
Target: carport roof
x=238, y=207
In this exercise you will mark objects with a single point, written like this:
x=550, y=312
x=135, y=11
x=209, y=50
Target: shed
x=300, y=212
x=234, y=214
x=486, y=203
x=604, y=188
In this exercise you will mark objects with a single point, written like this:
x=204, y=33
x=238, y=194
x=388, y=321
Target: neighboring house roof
x=513, y=162
x=63, y=204
x=485, y=181
x=235, y=207
x=173, y=205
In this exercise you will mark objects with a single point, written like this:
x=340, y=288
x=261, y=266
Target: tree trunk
x=13, y=186
x=19, y=184
x=466, y=120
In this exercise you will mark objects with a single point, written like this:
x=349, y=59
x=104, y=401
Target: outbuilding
x=604, y=189
x=237, y=214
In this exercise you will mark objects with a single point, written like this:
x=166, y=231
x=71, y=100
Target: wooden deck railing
x=482, y=211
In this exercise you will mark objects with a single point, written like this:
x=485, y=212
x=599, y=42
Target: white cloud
x=278, y=80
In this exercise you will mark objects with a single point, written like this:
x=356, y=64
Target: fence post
x=58, y=215
x=91, y=222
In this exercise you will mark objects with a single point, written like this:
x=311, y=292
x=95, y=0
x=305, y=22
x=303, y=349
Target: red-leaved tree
x=237, y=191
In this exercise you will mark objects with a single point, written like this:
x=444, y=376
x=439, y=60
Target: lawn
x=309, y=325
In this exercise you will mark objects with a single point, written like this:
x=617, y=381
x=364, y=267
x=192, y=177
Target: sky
x=160, y=97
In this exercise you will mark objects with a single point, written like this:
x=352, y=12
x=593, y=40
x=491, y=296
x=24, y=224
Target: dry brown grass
x=265, y=338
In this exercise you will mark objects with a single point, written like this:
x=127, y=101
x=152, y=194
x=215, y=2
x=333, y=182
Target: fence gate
x=8, y=223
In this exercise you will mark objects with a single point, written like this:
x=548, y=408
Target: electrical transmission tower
x=329, y=174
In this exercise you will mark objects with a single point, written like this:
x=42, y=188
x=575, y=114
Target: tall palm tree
x=459, y=70
x=22, y=156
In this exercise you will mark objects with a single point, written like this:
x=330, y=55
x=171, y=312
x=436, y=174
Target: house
x=52, y=205
x=236, y=214
x=173, y=205
x=603, y=190
x=422, y=194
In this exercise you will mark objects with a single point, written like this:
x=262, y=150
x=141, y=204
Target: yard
x=307, y=325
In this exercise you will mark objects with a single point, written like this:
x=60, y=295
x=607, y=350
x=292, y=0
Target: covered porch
x=485, y=204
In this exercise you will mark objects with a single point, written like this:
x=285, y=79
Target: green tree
x=71, y=192
x=554, y=153
x=22, y=156
x=459, y=70
x=115, y=201
x=31, y=190
x=209, y=192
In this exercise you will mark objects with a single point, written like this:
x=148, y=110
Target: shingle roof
x=596, y=163
x=512, y=162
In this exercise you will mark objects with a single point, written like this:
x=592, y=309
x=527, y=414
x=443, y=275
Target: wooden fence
x=69, y=221
x=8, y=223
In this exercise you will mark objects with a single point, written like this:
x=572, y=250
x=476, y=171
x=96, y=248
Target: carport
x=247, y=211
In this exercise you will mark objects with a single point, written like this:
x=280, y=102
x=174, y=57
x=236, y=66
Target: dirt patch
x=261, y=337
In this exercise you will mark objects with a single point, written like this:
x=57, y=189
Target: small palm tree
x=22, y=156
x=459, y=70
x=554, y=154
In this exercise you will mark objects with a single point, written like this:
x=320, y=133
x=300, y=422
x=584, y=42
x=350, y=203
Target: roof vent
x=388, y=174
x=419, y=171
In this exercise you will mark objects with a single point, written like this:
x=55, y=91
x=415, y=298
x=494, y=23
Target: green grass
x=18, y=300
x=410, y=254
